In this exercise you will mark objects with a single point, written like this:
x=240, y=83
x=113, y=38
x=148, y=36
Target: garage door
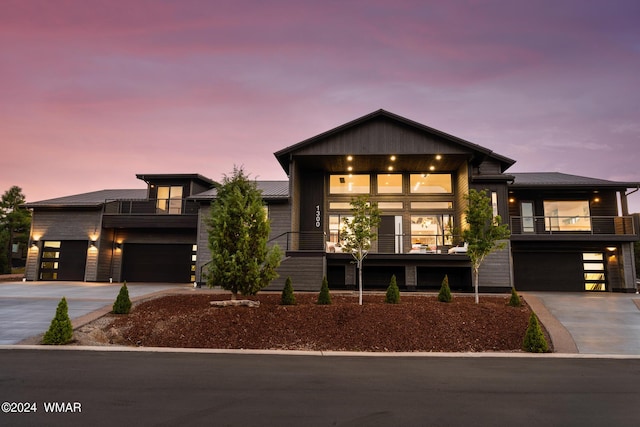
x=157, y=263
x=548, y=271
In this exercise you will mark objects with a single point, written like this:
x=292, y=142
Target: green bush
x=60, y=331
x=123, y=303
x=515, y=299
x=534, y=340
x=324, y=298
x=288, y=298
x=445, y=292
x=393, y=293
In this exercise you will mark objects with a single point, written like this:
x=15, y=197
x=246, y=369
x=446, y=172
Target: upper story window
x=169, y=200
x=567, y=215
x=389, y=183
x=431, y=183
x=349, y=184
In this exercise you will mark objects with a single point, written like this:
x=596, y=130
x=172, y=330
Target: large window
x=349, y=184
x=336, y=232
x=169, y=200
x=571, y=215
x=431, y=230
x=390, y=183
x=430, y=183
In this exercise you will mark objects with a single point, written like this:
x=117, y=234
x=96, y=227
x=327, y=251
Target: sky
x=94, y=92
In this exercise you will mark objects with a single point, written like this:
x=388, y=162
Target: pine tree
x=122, y=305
x=515, y=301
x=60, y=331
x=288, y=297
x=534, y=340
x=445, y=292
x=324, y=298
x=241, y=261
x=393, y=293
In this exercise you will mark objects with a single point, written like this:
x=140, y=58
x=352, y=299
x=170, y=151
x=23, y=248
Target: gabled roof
x=92, y=199
x=271, y=190
x=283, y=155
x=557, y=179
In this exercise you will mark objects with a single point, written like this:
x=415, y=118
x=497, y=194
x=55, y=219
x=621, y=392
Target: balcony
x=385, y=244
x=150, y=213
x=618, y=228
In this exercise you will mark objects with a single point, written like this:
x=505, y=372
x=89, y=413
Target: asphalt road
x=170, y=389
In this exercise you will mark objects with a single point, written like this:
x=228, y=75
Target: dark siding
x=311, y=197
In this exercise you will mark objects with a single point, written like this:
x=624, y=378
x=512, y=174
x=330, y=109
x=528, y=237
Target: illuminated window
x=390, y=183
x=431, y=230
x=594, y=271
x=571, y=215
x=169, y=200
x=349, y=184
x=431, y=183
x=431, y=205
x=390, y=205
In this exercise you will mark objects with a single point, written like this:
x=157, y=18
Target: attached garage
x=144, y=262
x=63, y=260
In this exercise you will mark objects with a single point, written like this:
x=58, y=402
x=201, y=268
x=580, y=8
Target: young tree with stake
x=358, y=232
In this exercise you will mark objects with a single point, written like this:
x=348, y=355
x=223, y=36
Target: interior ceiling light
x=393, y=158
x=350, y=168
x=349, y=158
x=431, y=168
x=438, y=157
x=390, y=168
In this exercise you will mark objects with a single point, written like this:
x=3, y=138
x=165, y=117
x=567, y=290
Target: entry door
x=390, y=234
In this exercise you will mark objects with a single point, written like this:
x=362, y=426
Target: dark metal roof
x=557, y=179
x=270, y=190
x=93, y=199
x=175, y=176
x=283, y=155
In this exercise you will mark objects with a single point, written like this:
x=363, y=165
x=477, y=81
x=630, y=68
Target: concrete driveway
x=597, y=323
x=26, y=308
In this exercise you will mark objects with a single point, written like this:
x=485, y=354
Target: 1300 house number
x=318, y=222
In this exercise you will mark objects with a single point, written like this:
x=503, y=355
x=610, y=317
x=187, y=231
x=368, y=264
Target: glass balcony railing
x=151, y=207
x=579, y=225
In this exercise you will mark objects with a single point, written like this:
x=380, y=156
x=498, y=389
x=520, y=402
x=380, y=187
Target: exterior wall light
x=118, y=245
x=34, y=244
x=92, y=243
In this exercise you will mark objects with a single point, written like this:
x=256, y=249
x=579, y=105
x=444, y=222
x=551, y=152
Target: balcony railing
x=151, y=207
x=573, y=225
x=384, y=244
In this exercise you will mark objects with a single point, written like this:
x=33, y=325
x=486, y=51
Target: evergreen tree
x=515, y=301
x=484, y=231
x=534, y=340
x=241, y=261
x=60, y=331
x=122, y=305
x=445, y=292
x=324, y=298
x=393, y=292
x=288, y=297
x=15, y=223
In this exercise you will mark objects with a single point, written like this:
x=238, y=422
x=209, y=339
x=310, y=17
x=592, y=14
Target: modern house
x=567, y=232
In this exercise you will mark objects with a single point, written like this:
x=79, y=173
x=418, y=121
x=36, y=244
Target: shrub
x=123, y=303
x=325, y=297
x=60, y=331
x=288, y=298
x=445, y=292
x=393, y=293
x=515, y=299
x=534, y=340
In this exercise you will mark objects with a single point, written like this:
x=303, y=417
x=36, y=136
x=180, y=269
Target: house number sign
x=318, y=222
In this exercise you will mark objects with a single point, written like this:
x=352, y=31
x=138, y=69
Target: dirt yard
x=418, y=323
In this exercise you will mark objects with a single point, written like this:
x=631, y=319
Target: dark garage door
x=156, y=263
x=548, y=271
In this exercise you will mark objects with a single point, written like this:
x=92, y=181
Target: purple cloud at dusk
x=93, y=92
